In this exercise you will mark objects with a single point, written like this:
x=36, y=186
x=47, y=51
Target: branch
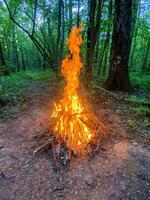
x=98, y=16
x=78, y=16
x=44, y=43
x=34, y=40
x=11, y=17
x=35, y=9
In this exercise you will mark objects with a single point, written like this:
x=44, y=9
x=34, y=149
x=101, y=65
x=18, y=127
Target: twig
x=43, y=147
x=106, y=91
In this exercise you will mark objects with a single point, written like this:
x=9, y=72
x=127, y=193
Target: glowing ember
x=71, y=116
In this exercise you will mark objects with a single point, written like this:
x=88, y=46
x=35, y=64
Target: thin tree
x=92, y=31
x=146, y=58
x=136, y=8
x=2, y=59
x=58, y=48
x=22, y=59
x=70, y=14
x=78, y=15
x=38, y=42
x=104, y=53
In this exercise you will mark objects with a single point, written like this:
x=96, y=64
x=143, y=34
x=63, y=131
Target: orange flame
x=71, y=118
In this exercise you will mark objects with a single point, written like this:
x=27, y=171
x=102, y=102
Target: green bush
x=140, y=80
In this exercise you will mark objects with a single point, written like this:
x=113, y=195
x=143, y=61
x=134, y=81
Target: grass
x=14, y=86
x=140, y=80
x=140, y=110
x=38, y=75
x=137, y=99
x=17, y=89
x=137, y=79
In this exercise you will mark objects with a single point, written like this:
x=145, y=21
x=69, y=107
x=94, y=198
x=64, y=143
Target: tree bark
x=70, y=14
x=22, y=58
x=145, y=60
x=136, y=14
x=103, y=60
x=118, y=78
x=15, y=51
x=2, y=59
x=78, y=15
x=60, y=32
x=92, y=32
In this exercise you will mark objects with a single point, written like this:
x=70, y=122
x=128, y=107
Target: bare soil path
x=119, y=171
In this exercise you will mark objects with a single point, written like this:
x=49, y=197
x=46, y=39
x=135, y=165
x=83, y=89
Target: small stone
x=58, y=188
x=135, y=143
x=90, y=181
x=60, y=194
x=2, y=175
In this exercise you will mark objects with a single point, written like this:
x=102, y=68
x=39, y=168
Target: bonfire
x=74, y=124
x=73, y=127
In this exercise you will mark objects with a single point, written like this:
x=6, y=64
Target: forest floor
x=120, y=170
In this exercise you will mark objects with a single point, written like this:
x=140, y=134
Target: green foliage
x=38, y=75
x=2, y=70
x=136, y=99
x=18, y=48
x=132, y=125
x=14, y=3
x=146, y=122
x=14, y=87
x=140, y=80
x=140, y=110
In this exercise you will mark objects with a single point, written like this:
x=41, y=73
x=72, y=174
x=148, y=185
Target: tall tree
x=70, y=14
x=15, y=49
x=146, y=58
x=94, y=16
x=118, y=78
x=39, y=40
x=60, y=31
x=135, y=19
x=2, y=59
x=78, y=15
x=104, y=53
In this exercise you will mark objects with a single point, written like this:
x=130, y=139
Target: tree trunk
x=23, y=61
x=145, y=60
x=2, y=59
x=90, y=35
x=70, y=14
x=60, y=30
x=78, y=15
x=118, y=78
x=102, y=64
x=15, y=51
x=136, y=14
x=92, y=32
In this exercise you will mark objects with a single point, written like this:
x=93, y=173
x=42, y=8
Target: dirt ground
x=119, y=171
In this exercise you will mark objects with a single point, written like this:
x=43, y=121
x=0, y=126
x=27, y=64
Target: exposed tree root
x=121, y=98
